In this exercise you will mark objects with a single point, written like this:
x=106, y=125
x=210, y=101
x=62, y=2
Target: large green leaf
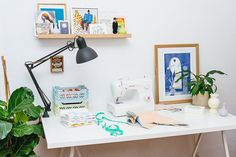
x=24, y=146
x=5, y=128
x=20, y=100
x=22, y=106
x=2, y=104
x=3, y=114
x=38, y=130
x=21, y=117
x=34, y=111
x=22, y=130
x=195, y=90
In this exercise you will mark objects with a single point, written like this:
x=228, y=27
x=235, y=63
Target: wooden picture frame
x=81, y=18
x=169, y=60
x=58, y=8
x=57, y=64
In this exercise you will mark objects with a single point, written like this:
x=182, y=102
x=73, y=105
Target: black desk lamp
x=84, y=54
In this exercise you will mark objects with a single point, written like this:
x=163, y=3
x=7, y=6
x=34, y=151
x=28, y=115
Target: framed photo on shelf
x=81, y=18
x=42, y=28
x=59, y=10
x=57, y=64
x=108, y=23
x=170, y=63
x=64, y=27
x=43, y=22
x=97, y=29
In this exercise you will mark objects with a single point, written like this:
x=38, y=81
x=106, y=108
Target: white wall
x=210, y=23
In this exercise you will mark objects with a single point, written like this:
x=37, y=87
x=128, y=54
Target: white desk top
x=58, y=135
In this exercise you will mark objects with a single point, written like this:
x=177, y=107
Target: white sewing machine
x=131, y=95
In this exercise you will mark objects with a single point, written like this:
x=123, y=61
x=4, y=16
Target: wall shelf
x=88, y=36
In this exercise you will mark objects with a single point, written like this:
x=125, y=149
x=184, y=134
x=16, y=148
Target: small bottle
x=223, y=111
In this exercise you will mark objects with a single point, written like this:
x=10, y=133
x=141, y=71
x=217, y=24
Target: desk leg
x=225, y=144
x=62, y=152
x=72, y=152
x=197, y=145
x=78, y=152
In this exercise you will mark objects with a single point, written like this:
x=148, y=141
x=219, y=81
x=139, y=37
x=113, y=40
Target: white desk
x=58, y=136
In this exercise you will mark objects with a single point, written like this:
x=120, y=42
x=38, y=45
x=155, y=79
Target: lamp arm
x=31, y=65
x=46, y=101
x=70, y=46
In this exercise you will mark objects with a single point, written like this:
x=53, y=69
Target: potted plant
x=201, y=86
x=18, y=137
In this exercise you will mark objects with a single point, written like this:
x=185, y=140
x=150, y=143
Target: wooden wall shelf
x=88, y=36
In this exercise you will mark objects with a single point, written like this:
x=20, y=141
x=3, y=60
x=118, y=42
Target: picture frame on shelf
x=57, y=64
x=42, y=28
x=64, y=27
x=43, y=22
x=171, y=61
x=58, y=8
x=97, y=29
x=81, y=18
x=108, y=23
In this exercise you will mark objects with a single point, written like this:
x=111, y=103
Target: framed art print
x=59, y=10
x=170, y=63
x=45, y=17
x=57, y=64
x=44, y=21
x=64, y=27
x=81, y=18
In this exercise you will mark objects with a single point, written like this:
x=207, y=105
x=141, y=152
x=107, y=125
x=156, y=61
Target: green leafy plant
x=201, y=83
x=18, y=138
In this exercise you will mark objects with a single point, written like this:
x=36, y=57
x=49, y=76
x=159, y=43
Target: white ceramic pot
x=214, y=103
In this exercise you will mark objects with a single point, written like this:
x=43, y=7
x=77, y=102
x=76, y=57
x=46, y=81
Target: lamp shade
x=84, y=53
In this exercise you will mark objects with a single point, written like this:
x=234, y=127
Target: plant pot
x=33, y=122
x=200, y=99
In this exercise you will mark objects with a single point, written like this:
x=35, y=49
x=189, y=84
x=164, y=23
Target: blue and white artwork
x=59, y=14
x=175, y=64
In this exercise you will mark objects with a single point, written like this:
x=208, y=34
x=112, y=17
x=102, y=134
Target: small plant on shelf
x=18, y=137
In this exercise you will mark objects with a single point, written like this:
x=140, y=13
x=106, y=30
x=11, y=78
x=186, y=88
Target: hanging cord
x=113, y=129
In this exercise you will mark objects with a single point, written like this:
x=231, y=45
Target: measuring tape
x=113, y=129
